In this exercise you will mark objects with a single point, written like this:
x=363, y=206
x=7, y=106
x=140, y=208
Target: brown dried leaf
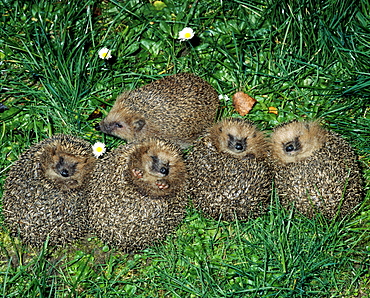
x=243, y=103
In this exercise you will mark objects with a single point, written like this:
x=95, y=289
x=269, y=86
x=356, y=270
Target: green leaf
x=153, y=47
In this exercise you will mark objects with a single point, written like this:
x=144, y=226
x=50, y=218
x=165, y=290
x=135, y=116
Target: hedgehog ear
x=138, y=124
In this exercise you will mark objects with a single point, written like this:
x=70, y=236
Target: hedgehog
x=229, y=176
x=45, y=191
x=138, y=196
x=315, y=170
x=176, y=108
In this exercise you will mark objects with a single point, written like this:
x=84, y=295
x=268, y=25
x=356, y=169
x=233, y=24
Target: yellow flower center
x=104, y=54
x=99, y=149
x=187, y=35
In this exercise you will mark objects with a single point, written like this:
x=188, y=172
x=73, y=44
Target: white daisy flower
x=98, y=149
x=186, y=34
x=105, y=53
x=223, y=97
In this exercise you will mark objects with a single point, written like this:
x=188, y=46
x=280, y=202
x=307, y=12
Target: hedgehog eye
x=117, y=125
x=163, y=171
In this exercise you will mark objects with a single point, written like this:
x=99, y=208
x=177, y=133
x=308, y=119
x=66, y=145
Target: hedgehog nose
x=103, y=127
x=64, y=173
x=110, y=126
x=239, y=146
x=289, y=148
x=164, y=171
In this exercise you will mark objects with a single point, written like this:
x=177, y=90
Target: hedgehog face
x=123, y=124
x=156, y=167
x=157, y=171
x=296, y=141
x=238, y=138
x=65, y=170
x=236, y=144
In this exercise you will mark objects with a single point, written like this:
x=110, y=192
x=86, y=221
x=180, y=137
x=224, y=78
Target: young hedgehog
x=229, y=177
x=315, y=169
x=138, y=194
x=45, y=191
x=176, y=108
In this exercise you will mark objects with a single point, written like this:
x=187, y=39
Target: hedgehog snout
x=65, y=169
x=235, y=144
x=239, y=146
x=164, y=171
x=64, y=173
x=289, y=148
x=110, y=126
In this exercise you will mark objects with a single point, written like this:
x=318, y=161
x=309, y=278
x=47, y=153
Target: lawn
x=301, y=59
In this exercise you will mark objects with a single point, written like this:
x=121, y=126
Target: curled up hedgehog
x=138, y=196
x=229, y=176
x=45, y=191
x=315, y=169
x=176, y=108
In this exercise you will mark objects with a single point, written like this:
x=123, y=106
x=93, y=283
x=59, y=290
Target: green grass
x=277, y=255
x=309, y=59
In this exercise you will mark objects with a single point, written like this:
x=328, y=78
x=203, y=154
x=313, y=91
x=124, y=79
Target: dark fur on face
x=64, y=168
x=159, y=166
x=292, y=146
x=236, y=144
